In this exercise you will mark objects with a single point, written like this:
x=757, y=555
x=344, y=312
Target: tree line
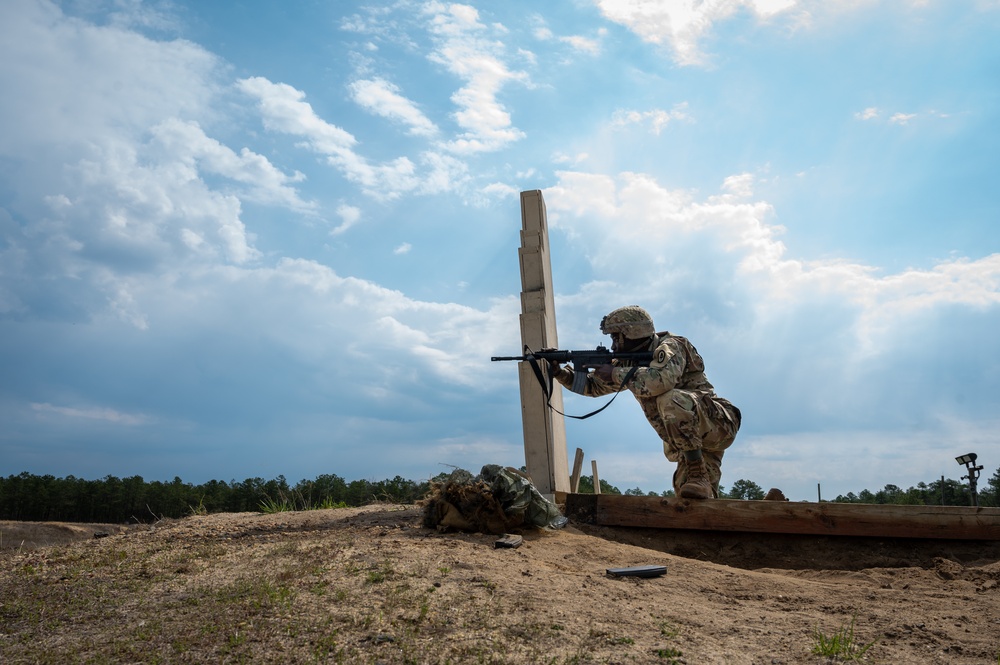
x=943, y=492
x=28, y=497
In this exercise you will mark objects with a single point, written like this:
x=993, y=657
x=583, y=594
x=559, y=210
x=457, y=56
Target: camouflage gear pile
x=633, y=322
x=674, y=394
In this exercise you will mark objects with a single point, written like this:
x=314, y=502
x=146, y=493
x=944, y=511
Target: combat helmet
x=633, y=322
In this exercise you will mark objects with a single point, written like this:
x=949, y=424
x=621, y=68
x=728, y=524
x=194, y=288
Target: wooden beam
x=829, y=519
x=544, y=429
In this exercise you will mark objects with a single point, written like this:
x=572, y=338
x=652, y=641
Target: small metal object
x=638, y=571
x=509, y=541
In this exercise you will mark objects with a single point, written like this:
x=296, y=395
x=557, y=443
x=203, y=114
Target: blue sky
x=252, y=238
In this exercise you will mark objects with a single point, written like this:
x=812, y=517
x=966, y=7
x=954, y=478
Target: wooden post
x=597, y=481
x=574, y=479
x=544, y=430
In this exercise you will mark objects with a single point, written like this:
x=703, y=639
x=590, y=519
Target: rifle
x=583, y=361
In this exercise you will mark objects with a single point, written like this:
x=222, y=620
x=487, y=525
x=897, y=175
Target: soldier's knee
x=676, y=406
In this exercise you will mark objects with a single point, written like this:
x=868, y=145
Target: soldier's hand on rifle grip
x=554, y=366
x=604, y=373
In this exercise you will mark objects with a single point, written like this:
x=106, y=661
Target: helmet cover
x=632, y=321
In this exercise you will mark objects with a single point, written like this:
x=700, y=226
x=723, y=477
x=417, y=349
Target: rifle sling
x=547, y=388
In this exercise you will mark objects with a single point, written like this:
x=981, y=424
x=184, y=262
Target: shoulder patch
x=660, y=357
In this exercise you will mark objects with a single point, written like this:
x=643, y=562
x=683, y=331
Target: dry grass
x=372, y=586
x=263, y=593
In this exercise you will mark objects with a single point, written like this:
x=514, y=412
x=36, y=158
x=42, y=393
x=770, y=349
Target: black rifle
x=583, y=361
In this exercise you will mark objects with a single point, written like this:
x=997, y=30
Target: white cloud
x=403, y=334
x=187, y=143
x=736, y=187
x=577, y=42
x=284, y=110
x=682, y=23
x=500, y=189
x=383, y=98
x=901, y=118
x=869, y=113
x=585, y=44
x=120, y=176
x=78, y=84
x=656, y=118
x=562, y=158
x=349, y=216
x=462, y=48
x=403, y=248
x=727, y=240
x=140, y=14
x=92, y=413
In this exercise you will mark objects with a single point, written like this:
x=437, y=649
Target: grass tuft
x=842, y=644
x=284, y=503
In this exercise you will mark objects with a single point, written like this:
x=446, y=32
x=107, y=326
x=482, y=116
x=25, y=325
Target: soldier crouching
x=695, y=425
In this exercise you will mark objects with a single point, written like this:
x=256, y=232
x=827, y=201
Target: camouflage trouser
x=688, y=420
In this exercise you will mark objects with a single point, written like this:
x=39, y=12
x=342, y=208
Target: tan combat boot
x=697, y=485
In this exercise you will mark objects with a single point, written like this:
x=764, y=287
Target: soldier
x=695, y=425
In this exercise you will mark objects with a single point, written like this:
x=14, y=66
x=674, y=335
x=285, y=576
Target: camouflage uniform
x=674, y=393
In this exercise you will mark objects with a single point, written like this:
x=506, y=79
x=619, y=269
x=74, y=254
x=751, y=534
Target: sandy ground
x=391, y=591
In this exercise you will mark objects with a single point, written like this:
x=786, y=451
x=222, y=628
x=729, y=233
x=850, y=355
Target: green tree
x=888, y=494
x=397, y=490
x=947, y=493
x=359, y=493
x=990, y=496
x=747, y=490
x=586, y=486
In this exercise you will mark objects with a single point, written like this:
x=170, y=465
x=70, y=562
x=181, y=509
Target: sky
x=251, y=239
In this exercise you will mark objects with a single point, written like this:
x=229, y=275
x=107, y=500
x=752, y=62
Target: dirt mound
x=32, y=535
x=374, y=585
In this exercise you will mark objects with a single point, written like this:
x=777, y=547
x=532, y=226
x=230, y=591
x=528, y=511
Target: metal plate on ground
x=638, y=571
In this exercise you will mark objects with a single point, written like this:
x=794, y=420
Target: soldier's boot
x=697, y=485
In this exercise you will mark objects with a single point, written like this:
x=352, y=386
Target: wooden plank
x=574, y=478
x=830, y=519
